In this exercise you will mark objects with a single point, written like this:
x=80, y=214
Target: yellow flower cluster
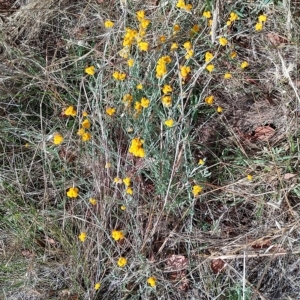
x=70, y=111
x=161, y=67
x=169, y=122
x=119, y=76
x=85, y=135
x=122, y=261
x=82, y=236
x=206, y=14
x=184, y=71
x=57, y=139
x=259, y=25
x=90, y=70
x=108, y=24
x=189, y=51
x=110, y=111
x=197, y=189
x=232, y=17
x=151, y=281
x=73, y=192
x=208, y=57
x=136, y=147
x=181, y=4
x=209, y=100
x=117, y=235
x=223, y=41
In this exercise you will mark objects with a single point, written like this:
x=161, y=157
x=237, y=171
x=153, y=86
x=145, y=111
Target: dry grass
x=239, y=239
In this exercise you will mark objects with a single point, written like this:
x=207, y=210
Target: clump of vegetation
x=149, y=150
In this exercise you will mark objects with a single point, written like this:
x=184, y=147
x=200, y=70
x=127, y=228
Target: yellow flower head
x=70, y=111
x=208, y=56
x=201, y=162
x=249, y=177
x=143, y=46
x=187, y=45
x=197, y=189
x=144, y=24
x=108, y=24
x=259, y=26
x=117, y=180
x=122, y=261
x=210, y=67
x=223, y=41
x=81, y=131
x=119, y=76
x=262, y=18
x=219, y=109
x=161, y=67
x=244, y=64
x=167, y=89
x=166, y=101
x=233, y=55
x=86, y=124
x=139, y=86
x=227, y=75
x=207, y=14
x=57, y=139
x=145, y=102
x=85, y=114
x=233, y=17
x=86, y=136
x=117, y=235
x=176, y=28
x=127, y=181
x=195, y=29
x=82, y=236
x=189, y=54
x=90, y=70
x=140, y=15
x=169, y=122
x=93, y=201
x=184, y=71
x=123, y=207
x=138, y=106
x=209, y=100
x=110, y=111
x=73, y=192
x=162, y=38
x=136, y=148
x=151, y=281
x=129, y=191
x=130, y=62
x=97, y=286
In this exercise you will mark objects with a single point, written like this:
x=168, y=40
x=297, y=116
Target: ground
x=149, y=149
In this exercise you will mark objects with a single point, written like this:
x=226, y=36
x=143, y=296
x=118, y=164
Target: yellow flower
x=57, y=139
x=162, y=38
x=70, y=111
x=123, y=207
x=143, y=46
x=130, y=62
x=108, y=24
x=228, y=23
x=249, y=177
x=233, y=17
x=167, y=89
x=97, y=286
x=127, y=181
x=81, y=131
x=244, y=64
x=161, y=67
x=227, y=75
x=258, y=26
x=207, y=14
x=139, y=86
x=189, y=54
x=122, y=261
x=195, y=29
x=209, y=100
x=84, y=114
x=119, y=76
x=223, y=41
x=151, y=281
x=210, y=67
x=129, y=191
x=197, y=189
x=145, y=102
x=184, y=71
x=174, y=46
x=86, y=124
x=117, y=235
x=93, y=201
x=176, y=28
x=180, y=4
x=127, y=99
x=140, y=15
x=117, y=180
x=208, y=56
x=262, y=18
x=138, y=106
x=82, y=236
x=169, y=122
x=187, y=45
x=166, y=101
x=73, y=192
x=144, y=24
x=110, y=111
x=188, y=7
x=201, y=162
x=86, y=136
x=233, y=55
x=219, y=109
x=90, y=70
x=136, y=148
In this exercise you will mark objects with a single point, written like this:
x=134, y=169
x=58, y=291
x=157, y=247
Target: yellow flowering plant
x=117, y=235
